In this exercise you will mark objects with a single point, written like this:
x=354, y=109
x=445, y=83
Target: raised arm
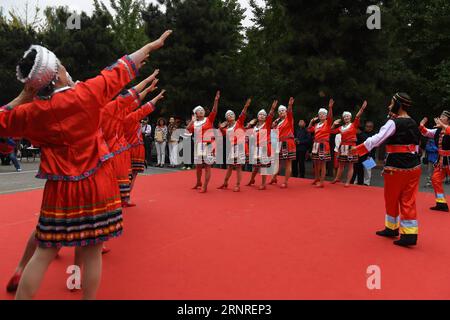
x=14, y=121
x=141, y=96
x=330, y=111
x=290, y=114
x=26, y=96
x=311, y=127
x=141, y=86
x=429, y=133
x=335, y=126
x=213, y=113
x=269, y=118
x=143, y=53
x=246, y=106
x=190, y=126
x=98, y=91
x=243, y=114
x=361, y=111
x=290, y=105
x=145, y=110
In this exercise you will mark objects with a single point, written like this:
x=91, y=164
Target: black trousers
x=148, y=149
x=358, y=173
x=298, y=165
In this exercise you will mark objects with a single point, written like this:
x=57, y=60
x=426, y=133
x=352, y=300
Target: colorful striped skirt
x=345, y=155
x=287, y=150
x=321, y=151
x=122, y=167
x=137, y=154
x=81, y=213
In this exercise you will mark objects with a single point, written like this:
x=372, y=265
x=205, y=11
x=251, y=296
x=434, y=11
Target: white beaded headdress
x=44, y=70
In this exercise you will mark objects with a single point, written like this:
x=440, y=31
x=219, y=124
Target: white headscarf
x=198, y=108
x=229, y=113
x=44, y=70
x=346, y=113
x=282, y=108
x=262, y=111
x=323, y=110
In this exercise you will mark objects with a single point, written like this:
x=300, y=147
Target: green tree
x=126, y=22
x=202, y=53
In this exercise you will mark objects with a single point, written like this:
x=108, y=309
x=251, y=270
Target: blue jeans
x=13, y=158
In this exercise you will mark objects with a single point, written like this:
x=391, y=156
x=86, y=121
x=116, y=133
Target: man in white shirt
x=147, y=135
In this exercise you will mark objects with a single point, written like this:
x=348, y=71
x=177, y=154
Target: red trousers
x=437, y=180
x=400, y=190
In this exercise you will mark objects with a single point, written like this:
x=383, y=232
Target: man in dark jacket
x=303, y=141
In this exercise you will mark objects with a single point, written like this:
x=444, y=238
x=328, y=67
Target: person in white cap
x=235, y=136
x=348, y=133
x=321, y=127
x=260, y=153
x=204, y=142
x=77, y=209
x=285, y=126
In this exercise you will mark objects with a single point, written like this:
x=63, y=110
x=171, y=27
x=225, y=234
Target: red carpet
x=299, y=243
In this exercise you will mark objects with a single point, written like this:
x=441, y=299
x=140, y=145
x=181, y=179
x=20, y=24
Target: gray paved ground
x=12, y=181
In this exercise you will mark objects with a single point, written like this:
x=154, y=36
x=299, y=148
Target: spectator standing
x=173, y=142
x=161, y=141
x=431, y=156
x=147, y=135
x=303, y=143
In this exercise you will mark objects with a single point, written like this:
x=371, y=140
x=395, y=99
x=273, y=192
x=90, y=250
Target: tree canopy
x=309, y=50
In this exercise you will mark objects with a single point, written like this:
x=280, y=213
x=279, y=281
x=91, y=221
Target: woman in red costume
x=260, y=146
x=204, y=145
x=234, y=132
x=111, y=122
x=348, y=133
x=81, y=202
x=321, y=127
x=287, y=150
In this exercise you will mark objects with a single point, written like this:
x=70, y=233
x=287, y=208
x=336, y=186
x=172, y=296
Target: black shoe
x=389, y=233
x=406, y=240
x=440, y=207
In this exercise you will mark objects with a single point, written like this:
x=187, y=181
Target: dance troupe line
x=92, y=151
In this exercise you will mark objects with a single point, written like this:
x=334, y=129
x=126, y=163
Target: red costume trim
x=401, y=148
x=360, y=150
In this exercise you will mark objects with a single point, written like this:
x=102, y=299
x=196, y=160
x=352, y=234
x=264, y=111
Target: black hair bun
x=26, y=63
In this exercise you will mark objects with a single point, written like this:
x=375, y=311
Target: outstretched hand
x=424, y=121
x=146, y=81
x=331, y=103
x=364, y=106
x=159, y=43
x=291, y=102
x=158, y=97
x=149, y=89
x=140, y=56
